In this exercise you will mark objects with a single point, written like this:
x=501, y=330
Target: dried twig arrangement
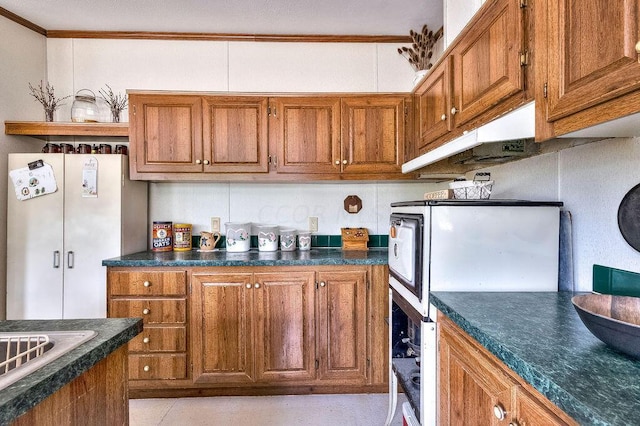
x=421, y=50
x=116, y=102
x=45, y=95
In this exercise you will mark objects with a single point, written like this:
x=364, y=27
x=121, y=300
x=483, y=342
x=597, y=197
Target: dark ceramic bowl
x=613, y=319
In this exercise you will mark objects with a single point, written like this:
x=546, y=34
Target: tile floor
x=289, y=410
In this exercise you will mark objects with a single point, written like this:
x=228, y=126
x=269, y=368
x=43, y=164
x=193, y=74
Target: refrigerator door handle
x=70, y=260
x=56, y=259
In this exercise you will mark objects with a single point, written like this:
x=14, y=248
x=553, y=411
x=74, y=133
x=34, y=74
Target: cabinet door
x=434, y=100
x=165, y=133
x=284, y=314
x=471, y=387
x=235, y=134
x=342, y=324
x=221, y=328
x=531, y=411
x=487, y=61
x=372, y=134
x=306, y=132
x=591, y=53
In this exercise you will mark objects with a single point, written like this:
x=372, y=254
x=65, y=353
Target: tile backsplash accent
x=333, y=241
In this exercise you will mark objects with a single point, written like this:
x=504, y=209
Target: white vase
x=419, y=76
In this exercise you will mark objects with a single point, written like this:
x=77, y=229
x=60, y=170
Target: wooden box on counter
x=355, y=238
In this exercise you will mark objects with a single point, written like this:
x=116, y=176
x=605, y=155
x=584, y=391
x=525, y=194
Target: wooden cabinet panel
x=372, y=134
x=532, y=411
x=160, y=339
x=342, y=326
x=152, y=311
x=591, y=53
x=222, y=327
x=284, y=311
x=235, y=134
x=487, y=61
x=157, y=366
x=434, y=101
x=167, y=130
x=145, y=283
x=306, y=132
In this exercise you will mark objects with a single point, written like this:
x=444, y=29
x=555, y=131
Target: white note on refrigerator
x=90, y=178
x=33, y=182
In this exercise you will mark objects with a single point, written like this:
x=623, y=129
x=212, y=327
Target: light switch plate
x=215, y=224
x=313, y=224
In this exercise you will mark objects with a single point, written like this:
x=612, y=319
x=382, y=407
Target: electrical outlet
x=313, y=224
x=215, y=224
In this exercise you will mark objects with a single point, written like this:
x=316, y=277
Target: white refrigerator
x=56, y=242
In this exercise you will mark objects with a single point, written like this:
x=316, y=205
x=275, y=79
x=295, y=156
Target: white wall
x=22, y=61
x=591, y=181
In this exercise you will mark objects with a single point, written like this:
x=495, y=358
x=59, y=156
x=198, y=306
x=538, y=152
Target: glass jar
x=84, y=108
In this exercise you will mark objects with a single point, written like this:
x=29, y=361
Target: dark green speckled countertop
x=541, y=338
x=315, y=256
x=19, y=397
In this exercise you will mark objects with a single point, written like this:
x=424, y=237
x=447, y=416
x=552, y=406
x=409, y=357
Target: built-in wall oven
x=458, y=245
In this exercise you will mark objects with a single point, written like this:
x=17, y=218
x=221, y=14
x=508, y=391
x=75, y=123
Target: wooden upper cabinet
x=342, y=319
x=433, y=103
x=591, y=53
x=487, y=61
x=306, y=134
x=372, y=134
x=235, y=134
x=166, y=131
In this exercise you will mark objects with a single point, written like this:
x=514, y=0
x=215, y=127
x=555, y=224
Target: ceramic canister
x=238, y=236
x=304, y=240
x=182, y=237
x=267, y=237
x=162, y=236
x=287, y=239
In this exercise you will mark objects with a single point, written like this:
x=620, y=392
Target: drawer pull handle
x=146, y=368
x=248, y=285
x=145, y=340
x=499, y=412
x=257, y=285
x=146, y=311
x=146, y=284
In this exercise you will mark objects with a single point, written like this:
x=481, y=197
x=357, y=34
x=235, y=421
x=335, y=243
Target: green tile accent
x=619, y=282
x=335, y=240
x=321, y=241
x=384, y=241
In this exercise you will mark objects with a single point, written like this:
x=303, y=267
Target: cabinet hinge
x=523, y=3
x=317, y=285
x=368, y=363
x=524, y=58
x=272, y=111
x=317, y=364
x=544, y=90
x=134, y=110
x=268, y=111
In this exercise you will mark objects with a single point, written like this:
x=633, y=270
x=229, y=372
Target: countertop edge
x=61, y=371
x=538, y=380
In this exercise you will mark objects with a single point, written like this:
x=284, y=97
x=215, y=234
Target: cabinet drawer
x=147, y=283
x=160, y=366
x=152, y=311
x=160, y=339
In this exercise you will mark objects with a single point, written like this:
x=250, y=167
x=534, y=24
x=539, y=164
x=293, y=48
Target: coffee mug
x=208, y=240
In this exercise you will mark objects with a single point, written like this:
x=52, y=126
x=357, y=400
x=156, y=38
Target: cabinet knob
x=638, y=47
x=337, y=162
x=198, y=161
x=454, y=110
x=146, y=311
x=248, y=285
x=145, y=340
x=146, y=284
x=322, y=284
x=499, y=411
x=344, y=162
x=146, y=368
x=443, y=117
x=514, y=423
x=206, y=161
x=257, y=285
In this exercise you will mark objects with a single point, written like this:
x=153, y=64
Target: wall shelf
x=43, y=130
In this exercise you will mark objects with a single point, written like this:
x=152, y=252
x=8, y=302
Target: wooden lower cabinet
x=256, y=330
x=475, y=388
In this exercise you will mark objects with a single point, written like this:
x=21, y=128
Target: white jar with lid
x=287, y=239
x=267, y=237
x=238, y=236
x=85, y=108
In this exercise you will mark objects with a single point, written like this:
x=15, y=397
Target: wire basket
x=477, y=189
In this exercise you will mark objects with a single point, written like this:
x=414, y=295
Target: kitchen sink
x=22, y=353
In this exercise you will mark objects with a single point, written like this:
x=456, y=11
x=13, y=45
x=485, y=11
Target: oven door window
x=405, y=249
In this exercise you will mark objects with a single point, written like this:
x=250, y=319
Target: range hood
x=506, y=138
